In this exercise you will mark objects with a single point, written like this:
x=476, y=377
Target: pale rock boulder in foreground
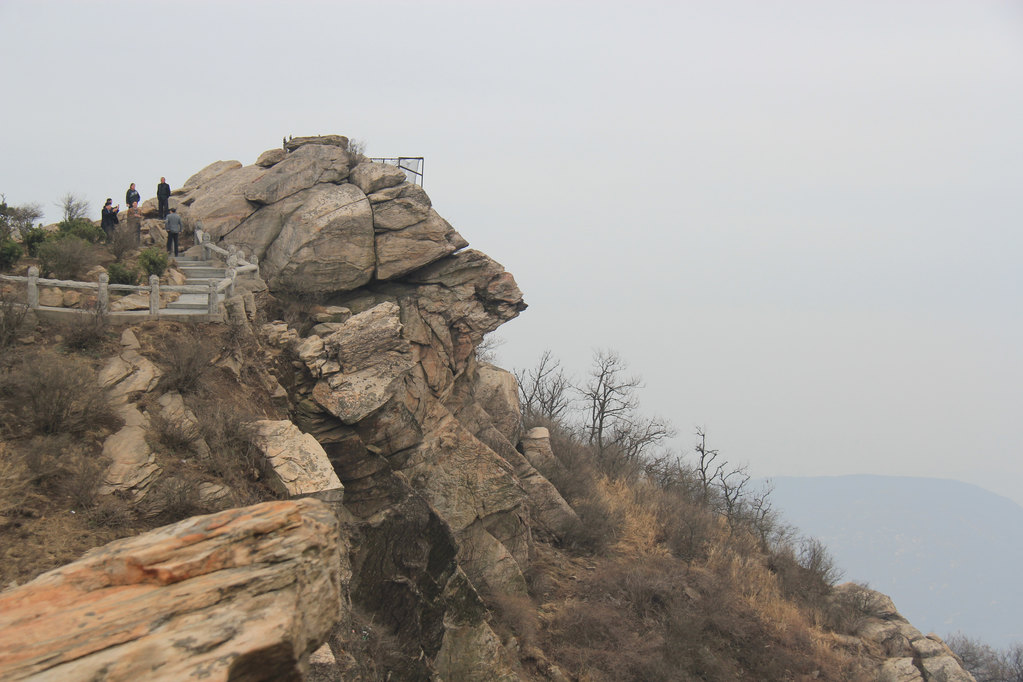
x=247, y=594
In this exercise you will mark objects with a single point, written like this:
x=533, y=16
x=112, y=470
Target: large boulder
x=219, y=205
x=309, y=165
x=398, y=207
x=372, y=358
x=245, y=594
x=399, y=252
x=372, y=177
x=299, y=464
x=325, y=245
x=328, y=140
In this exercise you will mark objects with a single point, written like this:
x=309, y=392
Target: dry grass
x=49, y=393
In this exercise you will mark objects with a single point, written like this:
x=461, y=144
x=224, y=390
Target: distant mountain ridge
x=947, y=552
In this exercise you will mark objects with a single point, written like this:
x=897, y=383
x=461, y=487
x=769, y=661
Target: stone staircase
x=198, y=273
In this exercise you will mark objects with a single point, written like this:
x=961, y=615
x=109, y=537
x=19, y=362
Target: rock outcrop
x=907, y=654
x=247, y=594
x=321, y=220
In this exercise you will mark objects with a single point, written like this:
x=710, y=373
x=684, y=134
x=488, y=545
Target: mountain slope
x=947, y=552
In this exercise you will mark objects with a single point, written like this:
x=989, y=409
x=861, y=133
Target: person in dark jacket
x=108, y=217
x=131, y=196
x=162, y=196
x=173, y=230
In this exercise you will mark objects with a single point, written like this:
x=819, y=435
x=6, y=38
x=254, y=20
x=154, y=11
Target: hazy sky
x=799, y=220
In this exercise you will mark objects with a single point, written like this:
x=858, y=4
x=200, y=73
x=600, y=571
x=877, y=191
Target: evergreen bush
x=83, y=228
x=123, y=274
x=10, y=253
x=154, y=261
x=32, y=238
x=64, y=258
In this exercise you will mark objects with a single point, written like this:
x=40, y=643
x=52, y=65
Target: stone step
x=203, y=272
x=192, y=302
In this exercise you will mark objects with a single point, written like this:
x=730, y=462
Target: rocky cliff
x=380, y=310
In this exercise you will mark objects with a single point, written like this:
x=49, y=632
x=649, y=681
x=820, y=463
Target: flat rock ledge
x=245, y=594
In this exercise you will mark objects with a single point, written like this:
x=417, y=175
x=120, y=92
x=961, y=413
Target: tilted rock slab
x=245, y=594
x=298, y=461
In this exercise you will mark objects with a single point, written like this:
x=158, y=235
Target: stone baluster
x=154, y=295
x=232, y=273
x=33, y=287
x=103, y=297
x=211, y=301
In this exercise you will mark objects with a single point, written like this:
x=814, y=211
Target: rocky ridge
x=390, y=411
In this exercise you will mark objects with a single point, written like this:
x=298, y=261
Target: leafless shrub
x=544, y=391
x=12, y=317
x=53, y=393
x=123, y=241
x=81, y=476
x=85, y=330
x=234, y=458
x=174, y=498
x=375, y=652
x=516, y=614
x=189, y=357
x=176, y=435
x=16, y=490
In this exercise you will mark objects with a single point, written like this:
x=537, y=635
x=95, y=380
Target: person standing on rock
x=163, y=196
x=108, y=217
x=131, y=196
x=135, y=221
x=173, y=230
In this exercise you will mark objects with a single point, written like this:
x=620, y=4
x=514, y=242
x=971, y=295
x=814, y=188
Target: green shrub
x=83, y=228
x=65, y=258
x=123, y=274
x=154, y=261
x=32, y=238
x=10, y=253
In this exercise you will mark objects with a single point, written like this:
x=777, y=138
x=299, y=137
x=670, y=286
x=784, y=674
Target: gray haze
x=948, y=553
x=798, y=221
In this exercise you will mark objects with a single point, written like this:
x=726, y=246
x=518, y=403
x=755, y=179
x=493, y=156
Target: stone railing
x=236, y=265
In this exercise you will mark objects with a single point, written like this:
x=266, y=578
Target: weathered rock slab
x=299, y=462
x=247, y=594
x=325, y=245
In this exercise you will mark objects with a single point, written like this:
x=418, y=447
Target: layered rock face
x=321, y=220
x=420, y=434
x=247, y=594
x=909, y=655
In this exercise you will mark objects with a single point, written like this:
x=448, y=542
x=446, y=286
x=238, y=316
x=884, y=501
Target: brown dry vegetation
x=656, y=585
x=54, y=419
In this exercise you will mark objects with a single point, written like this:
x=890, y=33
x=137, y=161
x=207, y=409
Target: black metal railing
x=412, y=165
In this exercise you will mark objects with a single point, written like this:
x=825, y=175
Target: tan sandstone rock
x=325, y=245
x=308, y=166
x=410, y=248
x=299, y=463
x=372, y=177
x=243, y=594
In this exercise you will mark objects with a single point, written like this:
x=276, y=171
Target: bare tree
x=610, y=396
x=708, y=469
x=486, y=351
x=544, y=389
x=73, y=207
x=620, y=435
x=15, y=220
